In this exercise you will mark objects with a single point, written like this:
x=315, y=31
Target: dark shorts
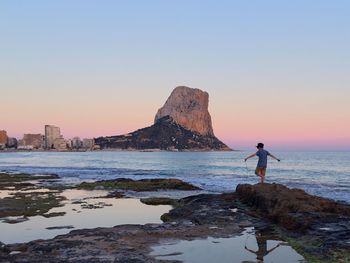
x=260, y=171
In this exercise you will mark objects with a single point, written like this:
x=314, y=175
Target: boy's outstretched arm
x=250, y=156
x=274, y=157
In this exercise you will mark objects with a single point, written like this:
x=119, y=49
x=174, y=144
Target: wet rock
x=115, y=194
x=160, y=201
x=139, y=185
x=4, y=248
x=59, y=227
x=294, y=209
x=54, y=214
x=27, y=198
x=98, y=205
x=199, y=210
x=15, y=220
x=77, y=202
x=29, y=203
x=245, y=223
x=316, y=227
x=20, y=180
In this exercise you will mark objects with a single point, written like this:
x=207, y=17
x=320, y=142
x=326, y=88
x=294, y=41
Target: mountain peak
x=189, y=108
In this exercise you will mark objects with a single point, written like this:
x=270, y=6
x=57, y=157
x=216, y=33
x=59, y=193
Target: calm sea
x=325, y=174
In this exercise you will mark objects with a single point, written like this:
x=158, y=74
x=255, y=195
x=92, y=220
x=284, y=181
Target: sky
x=276, y=71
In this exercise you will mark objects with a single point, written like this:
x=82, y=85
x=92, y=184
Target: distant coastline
x=113, y=150
x=182, y=124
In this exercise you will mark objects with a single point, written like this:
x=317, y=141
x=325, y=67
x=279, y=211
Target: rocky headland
x=182, y=124
x=188, y=108
x=317, y=228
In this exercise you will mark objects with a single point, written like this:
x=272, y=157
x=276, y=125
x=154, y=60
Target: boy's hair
x=260, y=145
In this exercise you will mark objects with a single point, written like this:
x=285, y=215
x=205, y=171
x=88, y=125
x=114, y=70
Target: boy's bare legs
x=261, y=175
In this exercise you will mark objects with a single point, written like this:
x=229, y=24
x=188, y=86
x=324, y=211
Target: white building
x=54, y=139
x=34, y=140
x=60, y=143
x=51, y=134
x=69, y=143
x=88, y=144
x=76, y=143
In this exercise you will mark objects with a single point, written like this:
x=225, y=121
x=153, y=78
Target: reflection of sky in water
x=74, y=194
x=122, y=211
x=224, y=250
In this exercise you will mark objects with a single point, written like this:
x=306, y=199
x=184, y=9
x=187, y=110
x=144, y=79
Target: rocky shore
x=317, y=228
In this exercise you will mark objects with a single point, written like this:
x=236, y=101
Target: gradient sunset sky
x=276, y=71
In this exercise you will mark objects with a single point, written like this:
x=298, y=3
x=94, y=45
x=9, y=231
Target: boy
x=262, y=163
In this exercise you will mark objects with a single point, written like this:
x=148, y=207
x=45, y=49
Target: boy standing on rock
x=262, y=163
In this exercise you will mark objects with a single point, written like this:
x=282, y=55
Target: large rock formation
x=184, y=123
x=165, y=134
x=188, y=108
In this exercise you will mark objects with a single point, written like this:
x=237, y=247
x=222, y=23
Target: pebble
x=15, y=252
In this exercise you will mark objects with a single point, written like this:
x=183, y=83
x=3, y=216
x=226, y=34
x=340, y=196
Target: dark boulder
x=293, y=209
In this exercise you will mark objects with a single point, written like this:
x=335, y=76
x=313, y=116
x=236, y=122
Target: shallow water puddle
x=82, y=213
x=76, y=194
x=251, y=246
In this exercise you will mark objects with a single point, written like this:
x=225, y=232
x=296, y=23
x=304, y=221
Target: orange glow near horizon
x=238, y=130
x=303, y=123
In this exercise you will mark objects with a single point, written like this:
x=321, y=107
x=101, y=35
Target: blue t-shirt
x=262, y=154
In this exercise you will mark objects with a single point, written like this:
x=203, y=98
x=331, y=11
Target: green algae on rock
x=160, y=201
x=25, y=198
x=29, y=204
x=311, y=248
x=19, y=181
x=139, y=185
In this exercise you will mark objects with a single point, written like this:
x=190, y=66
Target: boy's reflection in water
x=261, y=240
